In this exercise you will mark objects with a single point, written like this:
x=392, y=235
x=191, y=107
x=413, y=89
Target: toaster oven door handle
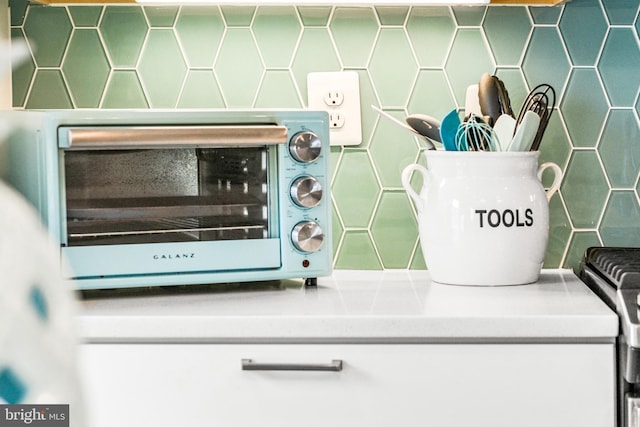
x=250, y=365
x=146, y=137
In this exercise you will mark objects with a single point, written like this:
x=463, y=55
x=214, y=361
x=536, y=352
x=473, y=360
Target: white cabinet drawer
x=518, y=385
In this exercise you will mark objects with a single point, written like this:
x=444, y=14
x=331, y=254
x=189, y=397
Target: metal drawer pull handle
x=250, y=365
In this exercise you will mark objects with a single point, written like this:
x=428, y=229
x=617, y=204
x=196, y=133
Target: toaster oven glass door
x=168, y=186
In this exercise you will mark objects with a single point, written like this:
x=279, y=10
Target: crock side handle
x=407, y=173
x=557, y=177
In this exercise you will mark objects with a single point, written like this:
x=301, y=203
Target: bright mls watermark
x=34, y=415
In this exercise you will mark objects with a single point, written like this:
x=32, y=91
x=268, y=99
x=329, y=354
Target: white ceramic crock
x=483, y=216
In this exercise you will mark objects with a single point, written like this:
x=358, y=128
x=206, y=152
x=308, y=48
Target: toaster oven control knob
x=305, y=146
x=307, y=236
x=306, y=192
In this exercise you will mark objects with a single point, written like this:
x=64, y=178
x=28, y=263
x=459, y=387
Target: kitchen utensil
x=542, y=101
x=471, y=103
x=475, y=134
x=448, y=128
x=503, y=95
x=504, y=129
x=425, y=125
x=525, y=132
x=483, y=217
x=405, y=126
x=488, y=97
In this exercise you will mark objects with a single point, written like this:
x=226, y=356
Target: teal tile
x=278, y=90
x=621, y=220
x=201, y=91
x=393, y=67
x=619, y=65
x=124, y=91
x=354, y=31
x=431, y=95
x=22, y=74
x=468, y=43
x=161, y=16
x=162, y=68
x=619, y=149
x=638, y=106
x=86, y=68
x=545, y=60
x=336, y=155
x=555, y=147
x=239, y=75
x=355, y=208
x=200, y=30
x=238, y=16
x=431, y=30
x=277, y=30
x=48, y=91
x=584, y=106
x=17, y=10
x=621, y=12
x=315, y=53
x=507, y=29
x=516, y=86
x=467, y=16
x=392, y=149
x=357, y=252
x=48, y=30
x=584, y=189
x=545, y=15
x=395, y=230
x=559, y=234
x=580, y=241
x=583, y=26
x=314, y=16
x=392, y=15
x=123, y=30
x=85, y=16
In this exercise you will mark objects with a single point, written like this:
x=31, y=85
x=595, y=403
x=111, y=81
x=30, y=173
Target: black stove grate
x=619, y=266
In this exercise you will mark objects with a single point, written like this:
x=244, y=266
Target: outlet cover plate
x=348, y=129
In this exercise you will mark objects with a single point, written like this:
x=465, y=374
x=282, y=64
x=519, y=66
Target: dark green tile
x=621, y=12
x=86, y=68
x=18, y=10
x=48, y=30
x=545, y=60
x=85, y=16
x=545, y=15
x=21, y=75
x=555, y=146
x=469, y=16
x=48, y=91
x=559, y=234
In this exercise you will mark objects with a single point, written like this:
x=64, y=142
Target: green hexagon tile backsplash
x=410, y=60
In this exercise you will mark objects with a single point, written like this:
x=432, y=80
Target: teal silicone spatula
x=448, y=128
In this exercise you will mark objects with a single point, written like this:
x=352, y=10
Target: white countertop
x=357, y=306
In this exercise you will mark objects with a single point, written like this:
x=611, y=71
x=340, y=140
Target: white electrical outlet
x=338, y=93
